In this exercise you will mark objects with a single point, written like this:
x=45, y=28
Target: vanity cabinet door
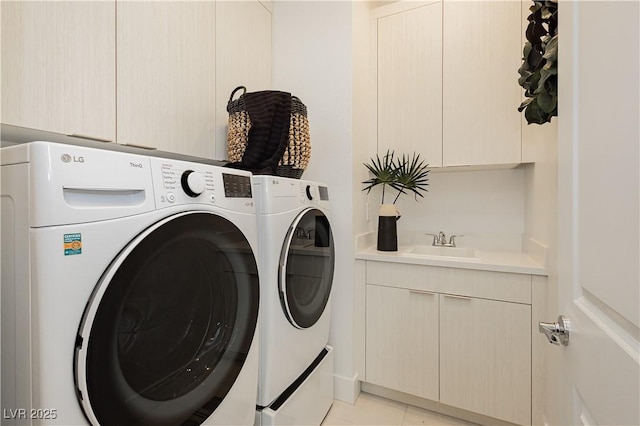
x=402, y=340
x=58, y=66
x=485, y=357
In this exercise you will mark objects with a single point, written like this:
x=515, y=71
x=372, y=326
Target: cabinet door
x=402, y=340
x=485, y=357
x=58, y=66
x=243, y=57
x=410, y=82
x=166, y=75
x=481, y=56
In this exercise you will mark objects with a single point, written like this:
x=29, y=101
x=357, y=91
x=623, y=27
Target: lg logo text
x=71, y=158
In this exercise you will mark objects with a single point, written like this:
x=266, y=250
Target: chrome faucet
x=440, y=239
x=452, y=240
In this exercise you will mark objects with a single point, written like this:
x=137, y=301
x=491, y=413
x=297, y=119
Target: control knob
x=192, y=183
x=308, y=190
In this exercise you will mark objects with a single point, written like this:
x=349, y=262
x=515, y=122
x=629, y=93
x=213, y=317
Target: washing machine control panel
x=178, y=182
x=236, y=186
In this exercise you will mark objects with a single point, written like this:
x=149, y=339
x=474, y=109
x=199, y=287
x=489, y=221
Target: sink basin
x=454, y=253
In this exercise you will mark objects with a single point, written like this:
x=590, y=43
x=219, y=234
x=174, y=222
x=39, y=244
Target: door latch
x=556, y=332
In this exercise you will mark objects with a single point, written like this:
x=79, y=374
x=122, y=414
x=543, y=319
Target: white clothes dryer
x=130, y=290
x=296, y=269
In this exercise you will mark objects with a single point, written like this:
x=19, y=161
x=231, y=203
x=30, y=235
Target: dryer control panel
x=278, y=194
x=313, y=192
x=179, y=182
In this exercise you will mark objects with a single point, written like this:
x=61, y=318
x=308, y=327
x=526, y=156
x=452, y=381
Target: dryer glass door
x=306, y=268
x=170, y=324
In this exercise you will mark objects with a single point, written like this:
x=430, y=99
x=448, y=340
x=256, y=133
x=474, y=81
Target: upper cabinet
x=166, y=75
x=447, y=81
x=59, y=67
x=153, y=74
x=410, y=82
x=243, y=56
x=481, y=56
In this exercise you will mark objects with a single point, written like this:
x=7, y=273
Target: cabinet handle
x=453, y=296
x=91, y=138
x=422, y=292
x=135, y=145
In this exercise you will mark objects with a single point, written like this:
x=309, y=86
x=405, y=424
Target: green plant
x=539, y=70
x=408, y=173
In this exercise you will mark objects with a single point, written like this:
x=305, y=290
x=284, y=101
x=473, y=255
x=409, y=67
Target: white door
x=597, y=379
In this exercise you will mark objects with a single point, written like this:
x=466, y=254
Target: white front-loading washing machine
x=130, y=289
x=296, y=268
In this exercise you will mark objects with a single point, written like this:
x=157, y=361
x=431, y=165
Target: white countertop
x=485, y=260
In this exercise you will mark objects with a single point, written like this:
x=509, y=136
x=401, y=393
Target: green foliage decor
x=404, y=174
x=539, y=70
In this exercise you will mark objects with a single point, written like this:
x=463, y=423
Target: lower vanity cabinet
x=402, y=340
x=458, y=337
x=485, y=357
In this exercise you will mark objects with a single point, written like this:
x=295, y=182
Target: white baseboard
x=346, y=389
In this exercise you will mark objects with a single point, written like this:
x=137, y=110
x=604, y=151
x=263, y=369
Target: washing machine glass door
x=306, y=268
x=169, y=325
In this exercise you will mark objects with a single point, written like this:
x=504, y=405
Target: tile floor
x=373, y=410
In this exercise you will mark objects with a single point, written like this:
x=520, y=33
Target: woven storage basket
x=297, y=153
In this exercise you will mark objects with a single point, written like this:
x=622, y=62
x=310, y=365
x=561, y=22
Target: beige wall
x=316, y=65
x=539, y=146
x=472, y=203
x=364, y=130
